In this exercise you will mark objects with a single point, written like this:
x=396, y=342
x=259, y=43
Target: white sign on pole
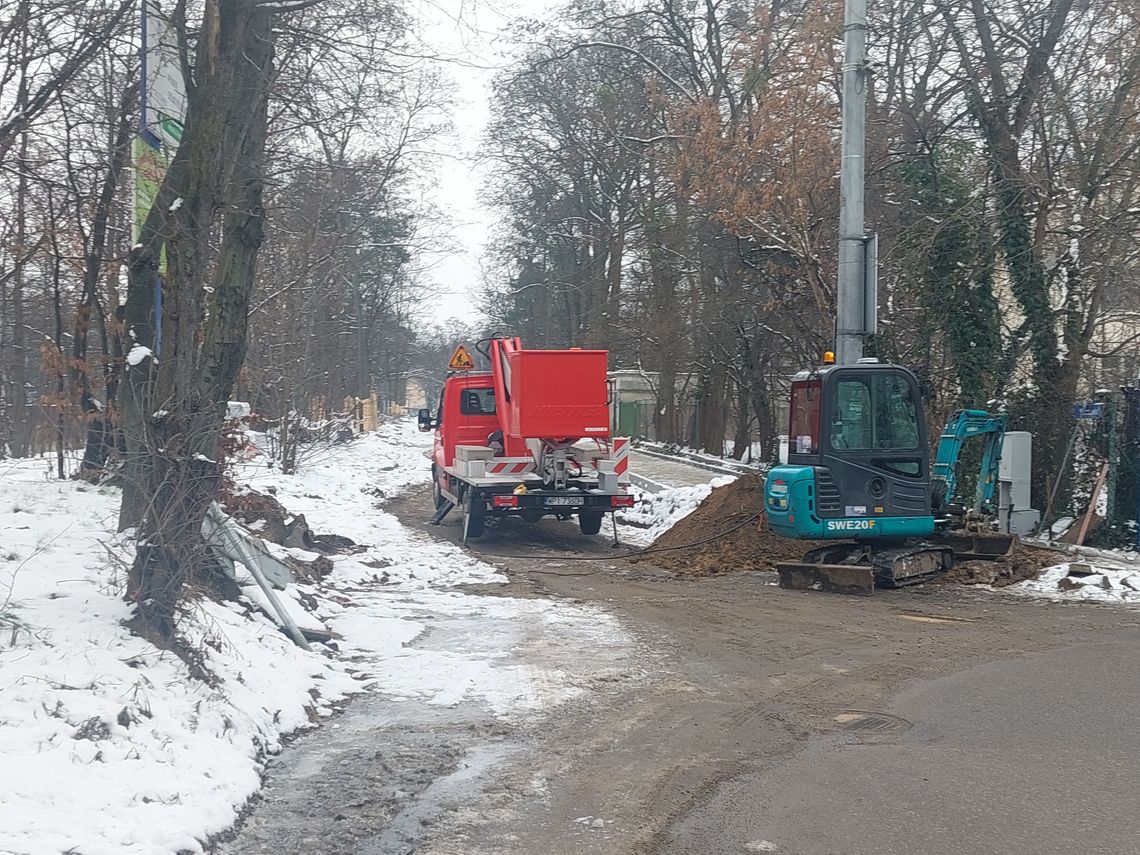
x=164, y=98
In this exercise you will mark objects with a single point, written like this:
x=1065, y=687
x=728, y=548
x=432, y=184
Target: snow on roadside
x=398, y=586
x=111, y=746
x=341, y=490
x=1079, y=582
x=656, y=513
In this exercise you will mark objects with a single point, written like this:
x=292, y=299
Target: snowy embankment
x=108, y=744
x=111, y=745
x=1083, y=582
x=656, y=513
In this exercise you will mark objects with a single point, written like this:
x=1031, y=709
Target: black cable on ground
x=637, y=552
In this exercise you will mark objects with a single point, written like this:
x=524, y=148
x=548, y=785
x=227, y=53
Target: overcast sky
x=469, y=36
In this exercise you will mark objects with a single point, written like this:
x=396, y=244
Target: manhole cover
x=859, y=721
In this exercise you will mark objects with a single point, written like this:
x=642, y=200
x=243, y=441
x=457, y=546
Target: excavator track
x=911, y=565
x=854, y=568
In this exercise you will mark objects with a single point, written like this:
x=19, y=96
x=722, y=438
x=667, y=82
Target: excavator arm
x=964, y=425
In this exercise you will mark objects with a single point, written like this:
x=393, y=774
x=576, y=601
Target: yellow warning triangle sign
x=461, y=360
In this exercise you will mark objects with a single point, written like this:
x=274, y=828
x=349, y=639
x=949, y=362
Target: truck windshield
x=803, y=429
x=874, y=412
x=477, y=402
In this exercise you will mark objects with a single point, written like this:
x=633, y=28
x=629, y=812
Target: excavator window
x=874, y=412
x=477, y=402
x=804, y=427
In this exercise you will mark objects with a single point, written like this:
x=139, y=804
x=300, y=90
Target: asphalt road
x=1022, y=757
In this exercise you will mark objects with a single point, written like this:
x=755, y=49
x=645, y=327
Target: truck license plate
x=563, y=500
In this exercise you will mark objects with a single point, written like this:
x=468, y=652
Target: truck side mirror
x=424, y=419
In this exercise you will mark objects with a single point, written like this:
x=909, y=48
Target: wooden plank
x=1092, y=505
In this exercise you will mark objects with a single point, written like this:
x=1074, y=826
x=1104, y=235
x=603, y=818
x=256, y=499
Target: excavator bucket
x=834, y=578
x=974, y=546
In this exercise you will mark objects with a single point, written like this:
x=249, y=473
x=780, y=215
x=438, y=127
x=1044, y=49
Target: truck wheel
x=590, y=523
x=436, y=494
x=474, y=515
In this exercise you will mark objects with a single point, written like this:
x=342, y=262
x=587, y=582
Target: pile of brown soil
x=745, y=543
x=270, y=520
x=728, y=539
x=259, y=512
x=1023, y=562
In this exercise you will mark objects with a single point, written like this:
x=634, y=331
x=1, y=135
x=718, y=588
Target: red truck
x=529, y=438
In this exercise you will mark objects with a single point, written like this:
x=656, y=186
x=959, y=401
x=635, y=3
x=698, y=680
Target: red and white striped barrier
x=619, y=454
x=508, y=467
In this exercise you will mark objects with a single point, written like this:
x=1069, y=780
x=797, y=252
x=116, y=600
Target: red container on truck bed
x=555, y=394
x=547, y=405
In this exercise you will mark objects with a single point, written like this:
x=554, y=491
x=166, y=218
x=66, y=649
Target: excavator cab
x=858, y=457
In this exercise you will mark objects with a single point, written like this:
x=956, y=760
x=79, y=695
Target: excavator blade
x=835, y=578
x=973, y=546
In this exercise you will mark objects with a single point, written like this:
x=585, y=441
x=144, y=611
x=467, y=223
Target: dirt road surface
x=742, y=719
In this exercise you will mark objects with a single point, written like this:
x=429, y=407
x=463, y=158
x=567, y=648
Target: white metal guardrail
x=712, y=464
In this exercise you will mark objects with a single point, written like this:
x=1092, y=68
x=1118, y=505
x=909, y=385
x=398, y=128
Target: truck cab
x=467, y=414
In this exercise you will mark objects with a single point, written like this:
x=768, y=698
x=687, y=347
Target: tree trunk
x=742, y=438
x=177, y=407
x=711, y=410
x=57, y=359
x=98, y=444
x=18, y=376
x=665, y=427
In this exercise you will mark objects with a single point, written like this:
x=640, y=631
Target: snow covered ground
x=109, y=744
x=402, y=581
x=1085, y=582
x=656, y=513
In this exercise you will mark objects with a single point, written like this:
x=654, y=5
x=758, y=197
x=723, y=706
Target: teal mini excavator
x=859, y=473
